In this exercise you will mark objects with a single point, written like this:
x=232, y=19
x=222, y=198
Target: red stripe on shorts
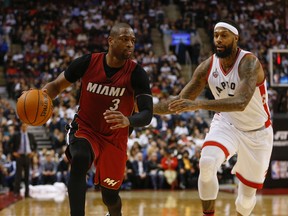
x=249, y=183
x=213, y=143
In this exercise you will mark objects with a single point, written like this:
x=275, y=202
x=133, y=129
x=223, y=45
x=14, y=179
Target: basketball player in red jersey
x=110, y=83
x=241, y=124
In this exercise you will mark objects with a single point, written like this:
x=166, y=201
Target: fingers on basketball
x=34, y=107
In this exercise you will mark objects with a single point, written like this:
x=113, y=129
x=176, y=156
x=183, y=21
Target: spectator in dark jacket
x=140, y=170
x=23, y=147
x=155, y=171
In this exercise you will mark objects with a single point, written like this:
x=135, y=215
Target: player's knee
x=245, y=204
x=207, y=168
x=81, y=161
x=111, y=201
x=110, y=197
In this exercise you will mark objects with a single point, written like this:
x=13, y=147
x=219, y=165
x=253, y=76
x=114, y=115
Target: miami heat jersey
x=100, y=93
x=223, y=85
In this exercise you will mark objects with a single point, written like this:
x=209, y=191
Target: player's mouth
x=218, y=48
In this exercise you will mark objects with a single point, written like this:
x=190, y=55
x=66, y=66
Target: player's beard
x=223, y=54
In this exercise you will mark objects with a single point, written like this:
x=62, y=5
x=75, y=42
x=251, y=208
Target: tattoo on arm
x=190, y=91
x=248, y=72
x=162, y=107
x=197, y=83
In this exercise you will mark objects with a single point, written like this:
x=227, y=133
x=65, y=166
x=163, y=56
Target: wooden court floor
x=150, y=203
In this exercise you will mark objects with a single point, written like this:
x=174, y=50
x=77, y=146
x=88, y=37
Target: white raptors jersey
x=223, y=85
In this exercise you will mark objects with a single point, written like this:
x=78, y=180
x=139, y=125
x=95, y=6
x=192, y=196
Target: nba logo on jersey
x=215, y=74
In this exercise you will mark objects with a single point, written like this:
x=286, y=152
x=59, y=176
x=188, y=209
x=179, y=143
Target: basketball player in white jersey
x=241, y=124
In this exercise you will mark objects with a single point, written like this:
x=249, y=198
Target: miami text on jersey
x=105, y=90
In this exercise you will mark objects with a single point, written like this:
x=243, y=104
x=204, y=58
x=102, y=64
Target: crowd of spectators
x=164, y=154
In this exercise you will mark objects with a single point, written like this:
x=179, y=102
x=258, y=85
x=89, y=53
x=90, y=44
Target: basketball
x=34, y=107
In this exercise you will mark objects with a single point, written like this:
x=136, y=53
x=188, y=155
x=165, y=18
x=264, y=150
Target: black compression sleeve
x=141, y=86
x=144, y=116
x=77, y=68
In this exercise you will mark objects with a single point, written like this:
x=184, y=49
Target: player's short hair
x=115, y=29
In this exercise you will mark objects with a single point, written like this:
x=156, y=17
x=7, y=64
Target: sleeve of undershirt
x=77, y=68
x=143, y=95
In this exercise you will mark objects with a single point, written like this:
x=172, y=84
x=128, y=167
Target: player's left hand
x=182, y=105
x=116, y=118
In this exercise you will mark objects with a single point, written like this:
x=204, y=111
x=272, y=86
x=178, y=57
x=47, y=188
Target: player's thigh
x=223, y=136
x=254, y=156
x=80, y=148
x=111, y=165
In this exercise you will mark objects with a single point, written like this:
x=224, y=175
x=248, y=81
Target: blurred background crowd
x=38, y=40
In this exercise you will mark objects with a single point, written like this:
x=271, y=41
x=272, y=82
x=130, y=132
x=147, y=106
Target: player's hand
x=116, y=118
x=183, y=105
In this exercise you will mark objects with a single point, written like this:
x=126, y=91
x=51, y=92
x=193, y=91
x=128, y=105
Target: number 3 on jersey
x=115, y=104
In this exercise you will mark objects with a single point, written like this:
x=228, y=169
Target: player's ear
x=237, y=38
x=110, y=40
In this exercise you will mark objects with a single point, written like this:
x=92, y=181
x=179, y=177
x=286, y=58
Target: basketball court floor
x=149, y=203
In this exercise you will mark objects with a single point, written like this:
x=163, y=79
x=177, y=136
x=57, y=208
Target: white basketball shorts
x=253, y=149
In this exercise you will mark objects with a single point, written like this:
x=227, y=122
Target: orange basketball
x=34, y=107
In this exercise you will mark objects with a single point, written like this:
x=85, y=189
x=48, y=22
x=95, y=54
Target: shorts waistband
x=266, y=125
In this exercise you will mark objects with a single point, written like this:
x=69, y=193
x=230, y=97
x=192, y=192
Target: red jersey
x=100, y=93
x=104, y=88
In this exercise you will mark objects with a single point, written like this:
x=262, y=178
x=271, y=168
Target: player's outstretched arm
x=198, y=81
x=190, y=92
x=74, y=72
x=56, y=86
x=161, y=108
x=250, y=72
